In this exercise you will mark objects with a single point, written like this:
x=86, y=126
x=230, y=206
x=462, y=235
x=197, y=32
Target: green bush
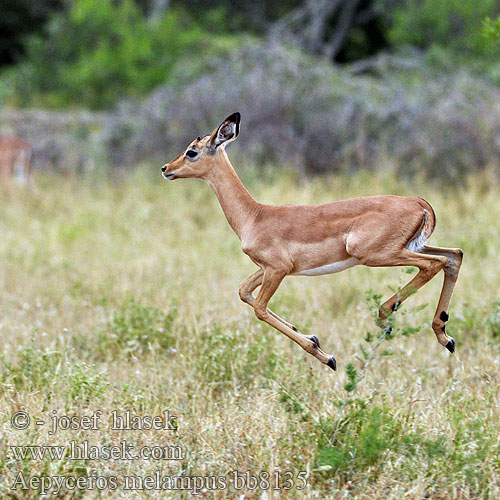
x=97, y=52
x=85, y=382
x=227, y=357
x=136, y=329
x=362, y=439
x=35, y=369
x=44, y=370
x=455, y=25
x=491, y=28
x=368, y=438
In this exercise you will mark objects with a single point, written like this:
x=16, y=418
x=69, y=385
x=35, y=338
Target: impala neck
x=237, y=203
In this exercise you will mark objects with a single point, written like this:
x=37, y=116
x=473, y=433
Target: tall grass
x=123, y=295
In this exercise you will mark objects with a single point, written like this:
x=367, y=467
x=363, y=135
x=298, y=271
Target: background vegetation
x=95, y=53
x=415, y=84
x=113, y=294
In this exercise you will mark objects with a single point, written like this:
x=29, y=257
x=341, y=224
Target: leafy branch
x=354, y=375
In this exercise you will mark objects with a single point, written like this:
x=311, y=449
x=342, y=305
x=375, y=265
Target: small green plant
x=353, y=377
x=361, y=440
x=136, y=329
x=368, y=353
x=292, y=403
x=228, y=355
x=85, y=382
x=35, y=368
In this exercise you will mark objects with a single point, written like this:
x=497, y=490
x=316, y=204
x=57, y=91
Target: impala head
x=201, y=155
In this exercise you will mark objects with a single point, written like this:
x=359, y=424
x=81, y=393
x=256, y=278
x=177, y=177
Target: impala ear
x=226, y=132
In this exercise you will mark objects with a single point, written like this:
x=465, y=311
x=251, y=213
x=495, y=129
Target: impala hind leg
x=454, y=258
x=246, y=295
x=271, y=280
x=429, y=264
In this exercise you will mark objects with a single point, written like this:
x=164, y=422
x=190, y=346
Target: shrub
x=302, y=112
x=35, y=369
x=364, y=436
x=455, y=25
x=228, y=357
x=97, y=52
x=43, y=370
x=136, y=329
x=297, y=111
x=85, y=382
x=368, y=438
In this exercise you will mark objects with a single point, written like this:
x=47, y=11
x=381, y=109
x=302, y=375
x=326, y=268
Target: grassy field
x=123, y=296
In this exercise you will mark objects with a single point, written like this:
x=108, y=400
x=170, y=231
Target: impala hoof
x=451, y=345
x=315, y=340
x=396, y=305
x=332, y=363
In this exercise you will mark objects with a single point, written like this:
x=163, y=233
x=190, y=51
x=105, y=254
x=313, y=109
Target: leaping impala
x=310, y=240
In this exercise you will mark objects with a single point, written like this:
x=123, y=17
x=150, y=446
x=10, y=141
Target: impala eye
x=191, y=153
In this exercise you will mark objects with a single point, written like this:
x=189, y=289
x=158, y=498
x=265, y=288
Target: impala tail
x=423, y=233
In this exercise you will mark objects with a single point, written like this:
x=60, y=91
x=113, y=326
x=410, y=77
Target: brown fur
x=14, y=151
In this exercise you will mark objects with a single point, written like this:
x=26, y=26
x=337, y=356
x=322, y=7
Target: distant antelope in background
x=15, y=160
x=310, y=240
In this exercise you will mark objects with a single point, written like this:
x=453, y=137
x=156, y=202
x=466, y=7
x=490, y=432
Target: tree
x=324, y=26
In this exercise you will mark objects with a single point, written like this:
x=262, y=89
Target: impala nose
x=163, y=168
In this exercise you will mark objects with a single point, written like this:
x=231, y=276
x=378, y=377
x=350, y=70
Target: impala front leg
x=246, y=295
x=271, y=280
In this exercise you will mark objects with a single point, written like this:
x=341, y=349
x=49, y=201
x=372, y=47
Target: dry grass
x=124, y=296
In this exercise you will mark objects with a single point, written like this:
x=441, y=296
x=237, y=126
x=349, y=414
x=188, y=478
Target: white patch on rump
x=417, y=243
x=334, y=267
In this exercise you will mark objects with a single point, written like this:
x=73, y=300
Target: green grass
x=124, y=295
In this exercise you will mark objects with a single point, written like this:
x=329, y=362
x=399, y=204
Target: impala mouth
x=169, y=175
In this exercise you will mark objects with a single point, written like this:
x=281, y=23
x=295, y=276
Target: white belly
x=334, y=267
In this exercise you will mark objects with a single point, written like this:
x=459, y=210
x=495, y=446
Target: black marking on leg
x=443, y=328
x=315, y=340
x=451, y=345
x=294, y=328
x=332, y=363
x=396, y=305
x=444, y=316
